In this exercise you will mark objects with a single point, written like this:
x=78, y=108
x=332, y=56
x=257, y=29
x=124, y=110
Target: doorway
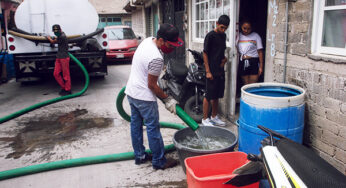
x=256, y=13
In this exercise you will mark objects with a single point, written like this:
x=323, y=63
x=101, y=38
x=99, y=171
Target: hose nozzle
x=186, y=118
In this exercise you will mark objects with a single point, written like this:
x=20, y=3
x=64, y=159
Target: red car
x=122, y=43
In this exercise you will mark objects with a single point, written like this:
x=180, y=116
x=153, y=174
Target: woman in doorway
x=250, y=50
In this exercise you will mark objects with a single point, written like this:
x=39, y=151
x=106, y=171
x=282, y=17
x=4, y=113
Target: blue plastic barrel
x=10, y=66
x=277, y=106
x=7, y=59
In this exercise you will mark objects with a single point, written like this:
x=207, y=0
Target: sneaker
x=170, y=163
x=68, y=92
x=62, y=92
x=146, y=158
x=207, y=122
x=218, y=121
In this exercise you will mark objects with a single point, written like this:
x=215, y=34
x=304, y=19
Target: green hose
x=180, y=112
x=38, y=105
x=125, y=116
x=87, y=160
x=119, y=104
x=76, y=162
x=186, y=118
x=96, y=159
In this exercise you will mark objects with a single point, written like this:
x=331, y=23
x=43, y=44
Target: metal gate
x=173, y=13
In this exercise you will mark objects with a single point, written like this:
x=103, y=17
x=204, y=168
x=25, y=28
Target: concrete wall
x=323, y=78
x=109, y=7
x=126, y=18
x=141, y=24
x=138, y=25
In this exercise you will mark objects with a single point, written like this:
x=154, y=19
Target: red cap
x=170, y=34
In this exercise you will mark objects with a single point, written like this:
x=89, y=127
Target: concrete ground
x=80, y=127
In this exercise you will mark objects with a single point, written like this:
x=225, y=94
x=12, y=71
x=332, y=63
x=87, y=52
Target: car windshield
x=121, y=34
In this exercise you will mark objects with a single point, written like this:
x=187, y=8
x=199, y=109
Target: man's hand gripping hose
x=170, y=104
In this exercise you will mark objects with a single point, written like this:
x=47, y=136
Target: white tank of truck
x=34, y=55
x=74, y=16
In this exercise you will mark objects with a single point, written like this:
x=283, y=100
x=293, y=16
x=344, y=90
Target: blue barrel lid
x=272, y=94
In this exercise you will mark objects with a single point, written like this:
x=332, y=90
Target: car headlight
x=133, y=49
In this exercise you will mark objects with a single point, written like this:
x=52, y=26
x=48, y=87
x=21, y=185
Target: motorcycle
x=286, y=163
x=186, y=84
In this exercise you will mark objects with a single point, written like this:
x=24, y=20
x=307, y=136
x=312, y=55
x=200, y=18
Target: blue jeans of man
x=146, y=112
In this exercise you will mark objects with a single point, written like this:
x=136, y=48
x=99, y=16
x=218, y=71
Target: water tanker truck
x=34, y=56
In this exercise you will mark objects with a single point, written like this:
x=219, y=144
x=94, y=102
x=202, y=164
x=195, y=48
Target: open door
x=256, y=12
x=232, y=67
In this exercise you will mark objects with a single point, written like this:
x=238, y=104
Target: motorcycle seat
x=179, y=69
x=311, y=168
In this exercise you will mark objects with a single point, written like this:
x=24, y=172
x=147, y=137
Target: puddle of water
x=44, y=133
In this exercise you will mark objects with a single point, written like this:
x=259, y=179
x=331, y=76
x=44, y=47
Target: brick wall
x=324, y=80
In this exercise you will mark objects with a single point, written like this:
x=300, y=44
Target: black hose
x=22, y=31
x=41, y=39
x=81, y=38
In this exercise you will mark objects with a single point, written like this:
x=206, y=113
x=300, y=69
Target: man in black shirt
x=62, y=62
x=214, y=62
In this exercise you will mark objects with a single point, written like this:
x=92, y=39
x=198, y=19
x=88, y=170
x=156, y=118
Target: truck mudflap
x=35, y=66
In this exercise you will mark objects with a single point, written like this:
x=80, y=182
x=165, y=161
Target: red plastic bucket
x=214, y=170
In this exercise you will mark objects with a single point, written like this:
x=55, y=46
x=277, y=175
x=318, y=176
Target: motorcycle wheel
x=195, y=112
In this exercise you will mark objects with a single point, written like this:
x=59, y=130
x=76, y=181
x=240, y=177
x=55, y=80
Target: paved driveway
x=80, y=127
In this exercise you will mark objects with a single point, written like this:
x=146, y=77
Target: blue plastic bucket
x=279, y=107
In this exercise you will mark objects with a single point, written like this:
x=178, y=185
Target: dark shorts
x=248, y=66
x=215, y=88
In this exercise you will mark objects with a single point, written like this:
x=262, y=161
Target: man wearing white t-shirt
x=142, y=90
